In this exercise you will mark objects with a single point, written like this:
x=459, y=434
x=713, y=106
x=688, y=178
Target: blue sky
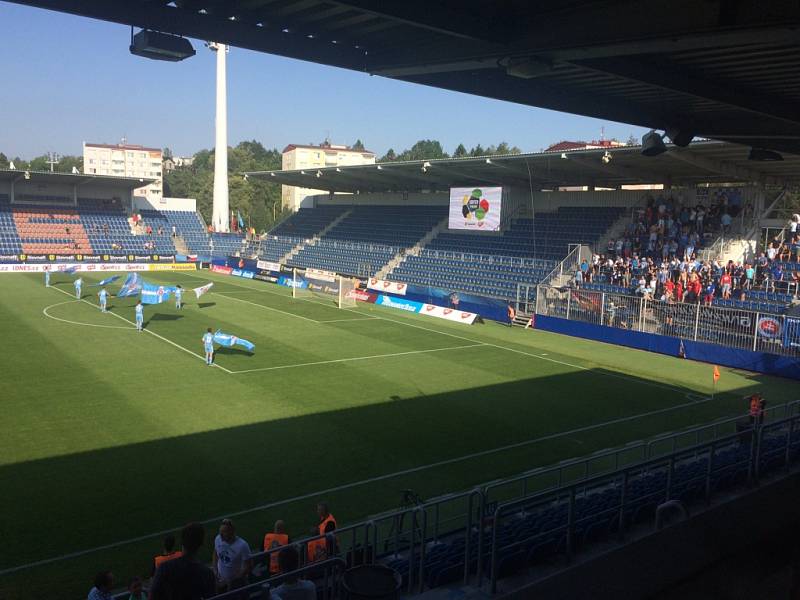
x=68, y=79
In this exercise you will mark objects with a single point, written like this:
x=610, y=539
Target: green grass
x=107, y=434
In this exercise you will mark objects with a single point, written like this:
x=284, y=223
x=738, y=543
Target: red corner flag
x=716, y=373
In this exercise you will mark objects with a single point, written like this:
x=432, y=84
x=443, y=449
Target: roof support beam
x=722, y=167
x=632, y=176
x=673, y=78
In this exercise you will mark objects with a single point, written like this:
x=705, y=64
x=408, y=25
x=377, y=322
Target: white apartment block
x=298, y=156
x=126, y=160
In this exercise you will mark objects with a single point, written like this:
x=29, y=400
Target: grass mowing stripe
x=355, y=358
x=354, y=484
x=498, y=346
x=145, y=330
x=283, y=312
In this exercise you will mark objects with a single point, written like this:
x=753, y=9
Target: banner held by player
x=202, y=289
x=227, y=340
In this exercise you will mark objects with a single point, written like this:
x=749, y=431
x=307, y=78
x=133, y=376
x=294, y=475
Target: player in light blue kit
x=103, y=294
x=178, y=297
x=78, y=284
x=46, y=277
x=139, y=316
x=208, y=346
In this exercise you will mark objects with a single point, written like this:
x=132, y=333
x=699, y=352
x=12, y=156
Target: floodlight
x=762, y=154
x=680, y=137
x=606, y=158
x=564, y=155
x=27, y=174
x=160, y=46
x=653, y=144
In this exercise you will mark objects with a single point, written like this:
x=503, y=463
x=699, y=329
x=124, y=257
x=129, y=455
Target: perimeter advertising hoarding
x=475, y=208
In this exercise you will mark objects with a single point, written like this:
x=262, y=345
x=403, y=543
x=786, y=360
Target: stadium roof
x=80, y=179
x=702, y=162
x=722, y=69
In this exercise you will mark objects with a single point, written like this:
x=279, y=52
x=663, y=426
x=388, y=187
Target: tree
x=3, y=161
x=423, y=150
x=632, y=141
x=389, y=156
x=460, y=151
x=477, y=151
x=166, y=154
x=66, y=163
x=359, y=146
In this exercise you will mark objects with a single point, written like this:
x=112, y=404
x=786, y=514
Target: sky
x=69, y=79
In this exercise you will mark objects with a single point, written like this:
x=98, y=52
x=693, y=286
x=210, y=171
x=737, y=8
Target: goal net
x=323, y=286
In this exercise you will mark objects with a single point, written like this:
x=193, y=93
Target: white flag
x=202, y=289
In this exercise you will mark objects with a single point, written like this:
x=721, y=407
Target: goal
x=324, y=286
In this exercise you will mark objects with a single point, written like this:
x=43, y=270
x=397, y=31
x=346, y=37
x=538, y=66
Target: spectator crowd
x=180, y=574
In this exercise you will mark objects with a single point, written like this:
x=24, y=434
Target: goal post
x=324, y=287
x=347, y=298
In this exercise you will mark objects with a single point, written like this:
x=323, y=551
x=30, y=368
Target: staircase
x=616, y=230
x=414, y=250
x=313, y=241
x=521, y=319
x=180, y=245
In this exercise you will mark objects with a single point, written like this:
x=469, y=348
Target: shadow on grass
x=232, y=351
x=164, y=317
x=83, y=500
x=206, y=304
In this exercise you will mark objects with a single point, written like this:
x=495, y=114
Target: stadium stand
x=10, y=242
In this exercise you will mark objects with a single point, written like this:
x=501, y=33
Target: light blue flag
x=131, y=287
x=228, y=340
x=69, y=270
x=106, y=281
x=155, y=294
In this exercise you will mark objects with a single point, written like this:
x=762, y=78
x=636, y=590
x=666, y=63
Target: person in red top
x=725, y=281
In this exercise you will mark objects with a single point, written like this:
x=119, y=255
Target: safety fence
x=731, y=327
x=481, y=535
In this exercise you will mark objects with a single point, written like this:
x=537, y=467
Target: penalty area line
x=153, y=333
x=355, y=484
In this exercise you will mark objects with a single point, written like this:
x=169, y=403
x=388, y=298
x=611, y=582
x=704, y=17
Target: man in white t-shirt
x=231, y=560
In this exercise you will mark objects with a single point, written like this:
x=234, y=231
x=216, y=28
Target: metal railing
x=563, y=520
x=759, y=331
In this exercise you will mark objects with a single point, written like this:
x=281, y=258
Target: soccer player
x=46, y=277
x=78, y=284
x=139, y=316
x=103, y=294
x=208, y=346
x=178, y=297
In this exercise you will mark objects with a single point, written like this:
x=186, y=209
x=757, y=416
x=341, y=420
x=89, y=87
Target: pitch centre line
x=356, y=358
x=355, y=484
x=161, y=337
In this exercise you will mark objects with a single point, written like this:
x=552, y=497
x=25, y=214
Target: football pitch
x=109, y=436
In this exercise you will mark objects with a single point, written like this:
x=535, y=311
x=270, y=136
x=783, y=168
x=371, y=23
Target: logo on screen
x=475, y=206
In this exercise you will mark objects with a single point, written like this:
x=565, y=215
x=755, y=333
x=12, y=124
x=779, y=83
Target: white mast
x=221, y=217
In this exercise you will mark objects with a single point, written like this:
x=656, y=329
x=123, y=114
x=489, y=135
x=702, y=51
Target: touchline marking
x=339, y=488
x=355, y=358
x=47, y=314
x=203, y=358
x=347, y=320
x=283, y=312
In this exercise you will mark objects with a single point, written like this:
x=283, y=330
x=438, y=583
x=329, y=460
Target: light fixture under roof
x=653, y=144
x=762, y=154
x=160, y=46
